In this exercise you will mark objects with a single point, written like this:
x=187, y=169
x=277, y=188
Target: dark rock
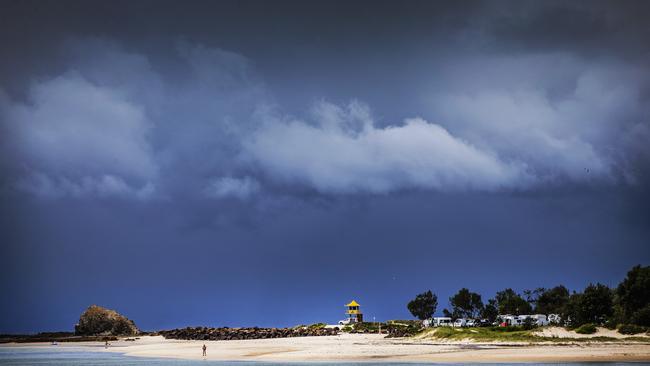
x=402, y=330
x=97, y=320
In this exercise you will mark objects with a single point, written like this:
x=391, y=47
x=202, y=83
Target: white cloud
x=106, y=186
x=565, y=118
x=493, y=123
x=345, y=152
x=224, y=187
x=521, y=127
x=79, y=139
x=113, y=123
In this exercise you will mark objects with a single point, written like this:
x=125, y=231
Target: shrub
x=402, y=330
x=631, y=329
x=610, y=324
x=529, y=324
x=444, y=332
x=369, y=327
x=586, y=329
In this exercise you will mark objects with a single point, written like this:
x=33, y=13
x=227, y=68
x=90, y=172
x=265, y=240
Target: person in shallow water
x=204, y=348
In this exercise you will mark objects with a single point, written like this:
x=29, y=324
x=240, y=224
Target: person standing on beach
x=204, y=348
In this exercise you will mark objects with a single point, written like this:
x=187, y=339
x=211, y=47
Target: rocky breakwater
x=97, y=320
x=219, y=334
x=399, y=329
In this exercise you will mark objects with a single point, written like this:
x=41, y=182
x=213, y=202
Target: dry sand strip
x=371, y=347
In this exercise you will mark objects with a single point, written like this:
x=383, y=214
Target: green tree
x=572, y=314
x=509, y=302
x=532, y=296
x=552, y=301
x=597, y=303
x=466, y=304
x=594, y=305
x=633, y=295
x=424, y=305
x=641, y=317
x=490, y=311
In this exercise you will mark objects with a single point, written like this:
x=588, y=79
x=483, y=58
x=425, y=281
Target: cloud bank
x=345, y=152
x=111, y=124
x=224, y=187
x=569, y=120
x=75, y=138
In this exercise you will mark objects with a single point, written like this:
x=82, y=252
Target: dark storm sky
x=262, y=163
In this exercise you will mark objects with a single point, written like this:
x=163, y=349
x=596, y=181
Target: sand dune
x=602, y=332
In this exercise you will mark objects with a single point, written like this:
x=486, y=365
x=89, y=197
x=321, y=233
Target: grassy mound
x=586, y=329
x=631, y=329
x=511, y=334
x=505, y=334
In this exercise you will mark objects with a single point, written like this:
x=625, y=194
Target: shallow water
x=25, y=356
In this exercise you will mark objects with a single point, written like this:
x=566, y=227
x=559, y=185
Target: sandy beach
x=371, y=347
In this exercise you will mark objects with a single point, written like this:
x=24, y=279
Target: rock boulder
x=97, y=320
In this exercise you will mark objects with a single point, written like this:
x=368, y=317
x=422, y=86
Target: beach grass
x=483, y=334
x=497, y=334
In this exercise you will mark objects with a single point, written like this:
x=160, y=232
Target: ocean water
x=25, y=356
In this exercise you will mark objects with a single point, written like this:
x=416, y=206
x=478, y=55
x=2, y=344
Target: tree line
x=628, y=303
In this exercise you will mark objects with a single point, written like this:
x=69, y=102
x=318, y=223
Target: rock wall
x=403, y=330
x=214, y=334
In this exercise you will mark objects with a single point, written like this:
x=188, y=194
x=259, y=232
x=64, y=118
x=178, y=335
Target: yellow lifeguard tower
x=354, y=313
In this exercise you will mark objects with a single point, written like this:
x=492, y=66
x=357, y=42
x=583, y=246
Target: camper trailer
x=540, y=319
x=460, y=322
x=537, y=319
x=517, y=320
x=443, y=321
x=509, y=320
x=554, y=319
x=437, y=322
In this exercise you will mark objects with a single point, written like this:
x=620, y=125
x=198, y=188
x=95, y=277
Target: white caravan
x=441, y=321
x=509, y=320
x=537, y=319
x=517, y=320
x=554, y=319
x=460, y=322
x=540, y=319
x=347, y=321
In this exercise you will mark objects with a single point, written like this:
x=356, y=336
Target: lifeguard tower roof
x=353, y=303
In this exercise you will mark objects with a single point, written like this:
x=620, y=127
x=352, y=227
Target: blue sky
x=257, y=163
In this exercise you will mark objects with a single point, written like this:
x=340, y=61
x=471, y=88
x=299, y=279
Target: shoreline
x=366, y=348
